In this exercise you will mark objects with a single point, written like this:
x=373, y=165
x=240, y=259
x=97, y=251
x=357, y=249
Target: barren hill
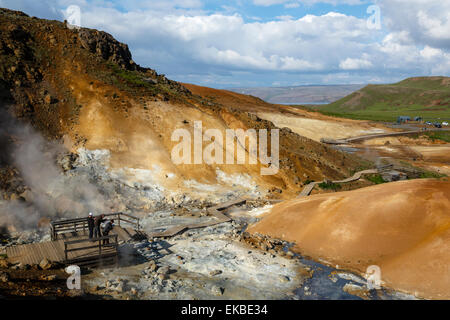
x=81, y=89
x=402, y=227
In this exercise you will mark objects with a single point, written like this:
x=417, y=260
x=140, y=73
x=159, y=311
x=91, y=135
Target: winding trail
x=374, y=136
x=214, y=211
x=309, y=187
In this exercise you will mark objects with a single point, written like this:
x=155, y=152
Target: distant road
x=375, y=136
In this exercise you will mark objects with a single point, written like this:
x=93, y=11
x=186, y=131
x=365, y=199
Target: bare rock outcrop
x=105, y=46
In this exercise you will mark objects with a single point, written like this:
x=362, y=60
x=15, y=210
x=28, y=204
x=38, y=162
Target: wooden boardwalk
x=80, y=248
x=70, y=243
x=54, y=251
x=309, y=187
x=214, y=211
x=33, y=253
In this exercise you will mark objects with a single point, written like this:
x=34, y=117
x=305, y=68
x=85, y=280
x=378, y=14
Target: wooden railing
x=124, y=217
x=103, y=247
x=68, y=225
x=81, y=224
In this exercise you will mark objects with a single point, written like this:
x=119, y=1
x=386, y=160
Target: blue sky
x=245, y=43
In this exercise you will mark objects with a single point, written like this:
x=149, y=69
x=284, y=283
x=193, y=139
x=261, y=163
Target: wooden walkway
x=80, y=248
x=309, y=187
x=214, y=211
x=70, y=243
x=54, y=251
x=34, y=253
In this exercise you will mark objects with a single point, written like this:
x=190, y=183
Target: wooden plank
x=168, y=233
x=34, y=253
x=228, y=204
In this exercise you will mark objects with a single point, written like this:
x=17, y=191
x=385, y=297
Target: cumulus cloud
x=296, y=3
x=355, y=64
x=229, y=42
x=426, y=21
x=189, y=43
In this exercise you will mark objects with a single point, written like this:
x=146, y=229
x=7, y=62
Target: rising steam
x=52, y=194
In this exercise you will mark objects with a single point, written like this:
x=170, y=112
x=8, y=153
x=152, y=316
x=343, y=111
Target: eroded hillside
x=109, y=124
x=405, y=233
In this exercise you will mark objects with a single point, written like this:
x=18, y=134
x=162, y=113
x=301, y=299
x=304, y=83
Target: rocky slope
x=107, y=126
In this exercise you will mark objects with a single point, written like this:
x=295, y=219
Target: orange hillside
x=403, y=227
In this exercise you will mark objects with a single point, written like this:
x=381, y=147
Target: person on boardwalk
x=91, y=225
x=97, y=222
x=109, y=225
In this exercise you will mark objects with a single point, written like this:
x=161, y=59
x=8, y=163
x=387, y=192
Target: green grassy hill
x=428, y=97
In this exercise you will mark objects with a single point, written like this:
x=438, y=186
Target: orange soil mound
x=242, y=102
x=403, y=227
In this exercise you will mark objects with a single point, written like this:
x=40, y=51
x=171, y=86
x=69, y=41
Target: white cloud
x=439, y=60
x=429, y=53
x=296, y=3
x=267, y=3
x=186, y=42
x=355, y=64
x=292, y=5
x=286, y=17
x=221, y=41
x=426, y=21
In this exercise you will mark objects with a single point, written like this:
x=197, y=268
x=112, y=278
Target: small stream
x=328, y=283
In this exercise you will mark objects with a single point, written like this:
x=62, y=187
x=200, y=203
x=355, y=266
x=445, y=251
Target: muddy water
x=328, y=284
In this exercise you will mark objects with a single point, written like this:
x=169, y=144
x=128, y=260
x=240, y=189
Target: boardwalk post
x=52, y=231
x=116, y=245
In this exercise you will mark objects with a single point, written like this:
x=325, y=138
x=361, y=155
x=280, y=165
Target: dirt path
x=375, y=136
x=309, y=187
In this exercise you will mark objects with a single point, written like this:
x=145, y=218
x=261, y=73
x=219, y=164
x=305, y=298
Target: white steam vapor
x=52, y=193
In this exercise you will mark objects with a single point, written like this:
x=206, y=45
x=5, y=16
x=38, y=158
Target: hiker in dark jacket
x=109, y=225
x=91, y=225
x=97, y=222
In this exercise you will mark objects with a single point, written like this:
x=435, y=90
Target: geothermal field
x=215, y=195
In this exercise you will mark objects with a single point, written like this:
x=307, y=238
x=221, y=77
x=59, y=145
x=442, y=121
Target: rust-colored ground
x=236, y=100
x=403, y=227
